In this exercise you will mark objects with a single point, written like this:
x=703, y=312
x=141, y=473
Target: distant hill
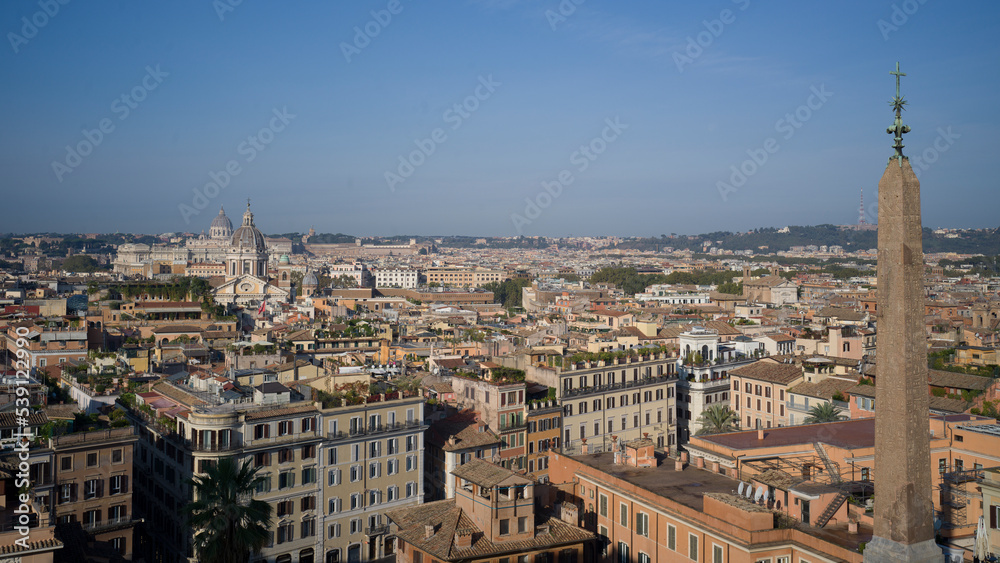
x=983, y=241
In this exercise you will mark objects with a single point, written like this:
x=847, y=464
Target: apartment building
x=672, y=511
x=629, y=397
x=41, y=544
x=328, y=472
x=92, y=484
x=47, y=346
x=371, y=462
x=704, y=368
x=490, y=519
x=190, y=430
x=501, y=404
x=464, y=277
x=396, y=277
x=452, y=442
x=760, y=391
x=544, y=432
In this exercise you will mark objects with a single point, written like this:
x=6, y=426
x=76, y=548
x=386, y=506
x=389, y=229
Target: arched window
x=284, y=276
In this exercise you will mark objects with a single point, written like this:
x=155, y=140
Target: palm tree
x=717, y=419
x=824, y=412
x=229, y=524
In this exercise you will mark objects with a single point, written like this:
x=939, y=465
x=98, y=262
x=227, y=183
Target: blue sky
x=691, y=87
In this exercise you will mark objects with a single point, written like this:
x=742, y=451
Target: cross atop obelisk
x=898, y=128
x=904, y=510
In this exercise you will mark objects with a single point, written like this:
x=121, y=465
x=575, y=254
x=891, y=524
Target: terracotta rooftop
x=769, y=371
x=825, y=389
x=465, y=429
x=447, y=520
x=485, y=474
x=848, y=434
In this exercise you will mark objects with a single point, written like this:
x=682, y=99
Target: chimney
x=428, y=531
x=760, y=433
x=584, y=448
x=464, y=539
x=452, y=441
x=678, y=465
x=699, y=462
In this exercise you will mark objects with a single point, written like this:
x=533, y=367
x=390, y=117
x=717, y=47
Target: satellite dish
x=759, y=494
x=777, y=505
x=749, y=492
x=740, y=489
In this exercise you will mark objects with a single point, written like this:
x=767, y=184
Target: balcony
x=376, y=430
x=510, y=427
x=117, y=522
x=233, y=444
x=377, y=530
x=598, y=389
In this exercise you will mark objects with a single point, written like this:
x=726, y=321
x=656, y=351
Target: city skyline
x=391, y=118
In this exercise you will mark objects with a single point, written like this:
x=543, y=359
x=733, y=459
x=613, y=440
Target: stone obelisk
x=904, y=512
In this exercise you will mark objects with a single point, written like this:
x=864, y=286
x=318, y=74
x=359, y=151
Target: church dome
x=310, y=279
x=283, y=259
x=221, y=226
x=248, y=237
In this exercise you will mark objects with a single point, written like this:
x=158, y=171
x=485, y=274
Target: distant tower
x=861, y=211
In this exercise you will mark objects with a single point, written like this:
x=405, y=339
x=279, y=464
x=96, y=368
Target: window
x=91, y=488
x=309, y=452
x=642, y=524
x=308, y=424
x=333, y=506
x=331, y=456
x=522, y=524
x=285, y=455
x=643, y=558
x=286, y=479
x=118, y=456
x=91, y=517
x=333, y=477
x=261, y=431
x=285, y=427
x=391, y=494
x=623, y=552
x=374, y=469
x=411, y=443
x=623, y=515
x=261, y=459
x=865, y=474
x=504, y=527
x=671, y=537
x=308, y=528
x=693, y=547
x=355, y=473
x=285, y=508
x=308, y=475
x=603, y=505
x=411, y=489
x=374, y=448
x=716, y=553
x=116, y=484
x=411, y=462
x=263, y=484
x=91, y=459
x=392, y=466
x=286, y=532
x=942, y=465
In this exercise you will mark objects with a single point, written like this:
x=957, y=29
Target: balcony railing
x=373, y=430
x=109, y=523
x=511, y=426
x=377, y=530
x=596, y=389
x=233, y=444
